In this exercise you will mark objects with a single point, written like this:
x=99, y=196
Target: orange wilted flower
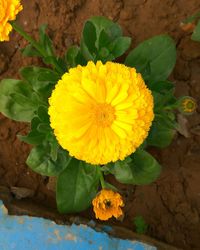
x=107, y=204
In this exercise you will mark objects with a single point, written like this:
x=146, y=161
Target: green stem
x=34, y=43
x=174, y=106
x=102, y=181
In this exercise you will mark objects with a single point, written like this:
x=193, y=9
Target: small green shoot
x=140, y=225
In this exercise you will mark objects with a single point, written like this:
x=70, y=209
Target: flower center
x=103, y=114
x=189, y=105
x=107, y=203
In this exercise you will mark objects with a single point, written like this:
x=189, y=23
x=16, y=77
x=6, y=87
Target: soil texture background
x=171, y=205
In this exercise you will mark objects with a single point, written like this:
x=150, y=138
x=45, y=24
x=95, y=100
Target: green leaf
x=139, y=169
x=77, y=185
x=154, y=58
x=89, y=36
x=120, y=46
x=73, y=57
x=17, y=100
x=88, y=41
x=40, y=129
x=166, y=119
x=161, y=87
x=103, y=23
x=38, y=76
x=192, y=18
x=29, y=50
x=42, y=80
x=33, y=138
x=160, y=135
x=43, y=115
x=110, y=186
x=196, y=33
x=85, y=52
x=40, y=161
x=102, y=40
x=45, y=42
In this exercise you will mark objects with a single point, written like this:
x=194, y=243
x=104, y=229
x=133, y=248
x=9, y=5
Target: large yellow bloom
x=107, y=204
x=101, y=113
x=8, y=11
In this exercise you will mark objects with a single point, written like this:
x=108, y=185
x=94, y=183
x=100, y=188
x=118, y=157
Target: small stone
x=21, y=193
x=52, y=184
x=183, y=126
x=195, y=130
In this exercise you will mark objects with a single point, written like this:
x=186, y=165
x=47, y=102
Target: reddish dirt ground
x=171, y=205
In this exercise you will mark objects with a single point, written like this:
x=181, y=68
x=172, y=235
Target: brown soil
x=171, y=206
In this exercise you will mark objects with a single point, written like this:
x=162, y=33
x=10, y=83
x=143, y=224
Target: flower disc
x=101, y=113
x=8, y=11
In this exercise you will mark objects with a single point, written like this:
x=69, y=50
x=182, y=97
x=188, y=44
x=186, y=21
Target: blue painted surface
x=30, y=233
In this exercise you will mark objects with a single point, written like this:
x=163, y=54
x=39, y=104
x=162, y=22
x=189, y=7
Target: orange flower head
x=8, y=12
x=107, y=204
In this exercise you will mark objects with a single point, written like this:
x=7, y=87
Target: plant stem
x=34, y=43
x=102, y=181
x=27, y=37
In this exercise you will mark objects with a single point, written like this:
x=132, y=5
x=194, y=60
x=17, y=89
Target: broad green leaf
x=88, y=41
x=42, y=113
x=39, y=77
x=166, y=119
x=160, y=135
x=33, y=138
x=120, y=46
x=85, y=52
x=154, y=58
x=89, y=37
x=42, y=80
x=196, y=33
x=163, y=101
x=104, y=53
x=114, y=31
x=161, y=86
x=102, y=40
x=40, y=129
x=40, y=160
x=73, y=57
x=11, y=94
x=139, y=169
x=103, y=23
x=77, y=185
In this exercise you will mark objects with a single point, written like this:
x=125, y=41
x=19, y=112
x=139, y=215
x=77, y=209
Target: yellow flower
x=187, y=105
x=107, y=204
x=8, y=11
x=101, y=113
